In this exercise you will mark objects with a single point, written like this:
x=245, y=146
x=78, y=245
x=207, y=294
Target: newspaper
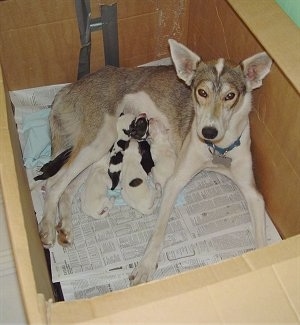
x=209, y=223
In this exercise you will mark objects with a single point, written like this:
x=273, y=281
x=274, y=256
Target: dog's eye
x=202, y=93
x=230, y=96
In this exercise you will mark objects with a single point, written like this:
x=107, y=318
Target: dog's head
x=221, y=91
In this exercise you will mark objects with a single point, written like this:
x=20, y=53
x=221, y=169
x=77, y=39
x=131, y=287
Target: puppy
x=120, y=145
x=94, y=199
x=136, y=189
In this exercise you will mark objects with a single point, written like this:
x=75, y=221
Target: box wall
x=40, y=44
x=200, y=295
x=275, y=120
x=28, y=253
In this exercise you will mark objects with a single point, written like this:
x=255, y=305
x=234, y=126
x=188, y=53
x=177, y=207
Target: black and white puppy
x=136, y=188
x=131, y=161
x=129, y=127
x=105, y=174
x=120, y=145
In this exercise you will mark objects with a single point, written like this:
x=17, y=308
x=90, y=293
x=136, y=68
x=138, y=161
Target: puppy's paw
x=99, y=208
x=143, y=272
x=105, y=205
x=158, y=190
x=64, y=234
x=47, y=233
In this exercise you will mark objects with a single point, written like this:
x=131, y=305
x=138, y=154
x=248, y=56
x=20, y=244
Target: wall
x=39, y=39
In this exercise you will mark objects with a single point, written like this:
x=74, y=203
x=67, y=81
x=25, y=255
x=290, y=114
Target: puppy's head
x=123, y=126
x=139, y=128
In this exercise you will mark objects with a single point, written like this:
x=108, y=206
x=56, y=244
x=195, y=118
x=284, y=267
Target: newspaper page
x=209, y=223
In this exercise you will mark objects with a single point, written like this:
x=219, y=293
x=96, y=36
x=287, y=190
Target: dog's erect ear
x=256, y=68
x=185, y=61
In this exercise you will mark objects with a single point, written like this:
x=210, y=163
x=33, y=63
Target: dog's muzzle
x=209, y=132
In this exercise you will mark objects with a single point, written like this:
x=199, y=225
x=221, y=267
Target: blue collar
x=222, y=151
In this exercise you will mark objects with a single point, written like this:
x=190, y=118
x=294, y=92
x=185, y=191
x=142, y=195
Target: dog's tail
x=53, y=166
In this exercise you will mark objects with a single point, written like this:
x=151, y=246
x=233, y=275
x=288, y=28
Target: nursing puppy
x=136, y=189
x=106, y=173
x=94, y=198
x=203, y=105
x=117, y=151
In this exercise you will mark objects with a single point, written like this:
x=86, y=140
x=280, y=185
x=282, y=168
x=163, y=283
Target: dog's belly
x=140, y=102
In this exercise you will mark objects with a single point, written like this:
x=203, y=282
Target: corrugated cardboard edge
x=265, y=19
x=15, y=191
x=261, y=286
x=204, y=288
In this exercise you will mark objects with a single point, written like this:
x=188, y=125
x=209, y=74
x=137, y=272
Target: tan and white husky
x=203, y=105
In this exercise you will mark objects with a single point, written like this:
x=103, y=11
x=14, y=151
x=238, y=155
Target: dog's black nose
x=209, y=132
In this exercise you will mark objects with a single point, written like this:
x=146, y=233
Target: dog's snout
x=209, y=132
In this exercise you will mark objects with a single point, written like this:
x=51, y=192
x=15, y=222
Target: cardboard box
x=259, y=287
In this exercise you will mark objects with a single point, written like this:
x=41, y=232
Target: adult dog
x=203, y=105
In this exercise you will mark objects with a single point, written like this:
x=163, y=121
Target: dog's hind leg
x=57, y=184
x=64, y=227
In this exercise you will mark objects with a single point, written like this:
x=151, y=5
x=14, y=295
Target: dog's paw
x=47, y=233
x=143, y=272
x=64, y=234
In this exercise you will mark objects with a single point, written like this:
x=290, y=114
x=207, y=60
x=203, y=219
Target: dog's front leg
x=188, y=165
x=256, y=208
x=242, y=175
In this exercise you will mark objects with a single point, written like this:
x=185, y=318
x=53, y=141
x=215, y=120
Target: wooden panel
x=39, y=40
x=127, y=8
x=276, y=179
x=40, y=55
x=15, y=14
x=214, y=31
x=28, y=252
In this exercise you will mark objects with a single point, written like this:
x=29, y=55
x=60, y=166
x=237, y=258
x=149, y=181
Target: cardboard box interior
x=42, y=48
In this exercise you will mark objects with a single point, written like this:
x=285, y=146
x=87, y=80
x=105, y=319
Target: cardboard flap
x=275, y=31
x=260, y=286
x=28, y=253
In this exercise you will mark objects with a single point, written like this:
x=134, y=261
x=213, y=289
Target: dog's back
x=79, y=109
